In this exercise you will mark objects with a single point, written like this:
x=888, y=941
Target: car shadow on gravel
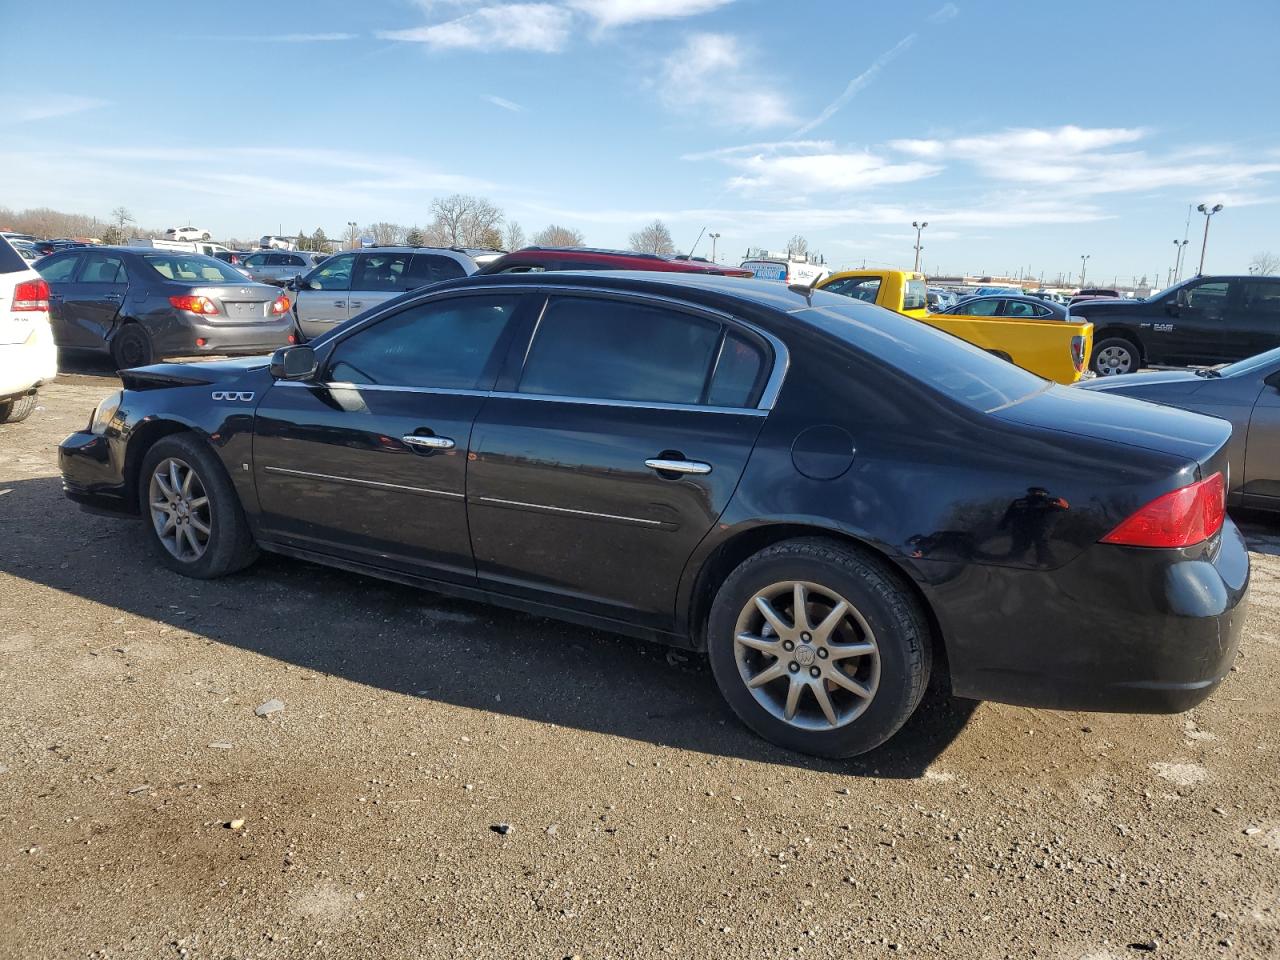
x=421, y=644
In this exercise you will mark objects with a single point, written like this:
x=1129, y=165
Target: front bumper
x=1119, y=629
x=93, y=473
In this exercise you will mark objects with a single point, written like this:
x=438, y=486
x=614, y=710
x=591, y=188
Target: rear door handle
x=339, y=303
x=357, y=303
x=428, y=443
x=113, y=297
x=679, y=466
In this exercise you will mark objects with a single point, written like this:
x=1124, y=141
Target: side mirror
x=1173, y=306
x=294, y=363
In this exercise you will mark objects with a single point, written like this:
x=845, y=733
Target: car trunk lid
x=239, y=304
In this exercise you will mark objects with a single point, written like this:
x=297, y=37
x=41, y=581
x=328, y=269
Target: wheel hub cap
x=806, y=655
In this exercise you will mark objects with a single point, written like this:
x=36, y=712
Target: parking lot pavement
x=146, y=810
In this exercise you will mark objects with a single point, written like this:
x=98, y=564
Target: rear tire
x=17, y=409
x=131, y=347
x=1115, y=356
x=861, y=671
x=191, y=514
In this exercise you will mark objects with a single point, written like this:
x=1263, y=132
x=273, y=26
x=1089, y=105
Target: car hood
x=1121, y=419
x=190, y=374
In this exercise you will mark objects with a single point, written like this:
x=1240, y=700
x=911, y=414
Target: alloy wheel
x=807, y=655
x=180, y=509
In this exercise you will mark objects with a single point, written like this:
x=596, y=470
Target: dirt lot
x=644, y=822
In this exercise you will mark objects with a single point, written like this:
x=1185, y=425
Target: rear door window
x=984, y=307
x=1262, y=298
x=102, y=268
x=603, y=349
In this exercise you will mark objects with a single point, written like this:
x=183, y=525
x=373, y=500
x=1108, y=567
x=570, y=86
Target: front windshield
x=1250, y=364
x=192, y=268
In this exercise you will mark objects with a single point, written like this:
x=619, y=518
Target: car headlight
x=104, y=412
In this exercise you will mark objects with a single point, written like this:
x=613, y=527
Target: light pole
x=1208, y=212
x=1179, y=248
x=351, y=234
x=919, y=228
x=1084, y=258
x=714, y=237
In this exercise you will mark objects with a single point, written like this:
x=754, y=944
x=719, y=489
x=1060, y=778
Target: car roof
x=401, y=248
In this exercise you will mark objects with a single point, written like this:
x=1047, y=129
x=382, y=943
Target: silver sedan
x=1246, y=393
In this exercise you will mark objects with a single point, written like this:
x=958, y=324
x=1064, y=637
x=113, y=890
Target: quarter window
x=738, y=372
x=443, y=343
x=615, y=350
x=335, y=274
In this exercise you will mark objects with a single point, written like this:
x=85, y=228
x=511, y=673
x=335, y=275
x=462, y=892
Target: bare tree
x=513, y=238
x=462, y=220
x=121, y=216
x=797, y=247
x=384, y=234
x=558, y=236
x=1265, y=263
x=655, y=238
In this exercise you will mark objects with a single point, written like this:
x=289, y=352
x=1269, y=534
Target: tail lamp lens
x=1077, y=353
x=1180, y=518
x=281, y=305
x=30, y=295
x=201, y=305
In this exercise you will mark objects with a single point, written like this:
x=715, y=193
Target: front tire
x=205, y=236
x=191, y=515
x=16, y=409
x=1115, y=356
x=131, y=347
x=818, y=647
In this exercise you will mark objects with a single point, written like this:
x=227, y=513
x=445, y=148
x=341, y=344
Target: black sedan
x=828, y=498
x=1009, y=305
x=140, y=304
x=1247, y=394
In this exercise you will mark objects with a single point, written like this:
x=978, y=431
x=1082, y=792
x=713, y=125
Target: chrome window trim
x=377, y=484
x=768, y=396
x=545, y=508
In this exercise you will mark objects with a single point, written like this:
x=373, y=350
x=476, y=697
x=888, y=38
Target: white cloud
x=805, y=167
x=541, y=27
x=948, y=11
x=616, y=13
x=694, y=76
x=502, y=102
x=1067, y=139
x=310, y=37
x=45, y=106
x=856, y=85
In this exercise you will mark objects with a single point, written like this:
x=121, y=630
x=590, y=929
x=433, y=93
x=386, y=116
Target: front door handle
x=113, y=297
x=428, y=443
x=357, y=303
x=679, y=466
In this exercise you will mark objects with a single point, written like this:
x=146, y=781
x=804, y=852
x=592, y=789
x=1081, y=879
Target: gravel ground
x=147, y=811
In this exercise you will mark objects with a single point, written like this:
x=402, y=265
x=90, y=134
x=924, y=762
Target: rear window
x=766, y=269
x=916, y=296
x=191, y=268
x=10, y=260
x=951, y=366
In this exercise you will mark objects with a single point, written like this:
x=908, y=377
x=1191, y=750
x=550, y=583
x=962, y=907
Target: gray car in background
x=1247, y=393
x=278, y=266
x=351, y=282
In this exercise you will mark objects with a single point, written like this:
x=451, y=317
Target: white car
x=187, y=233
x=271, y=242
x=28, y=357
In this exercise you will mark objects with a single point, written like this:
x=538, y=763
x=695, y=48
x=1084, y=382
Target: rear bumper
x=93, y=473
x=24, y=366
x=1120, y=629
x=260, y=336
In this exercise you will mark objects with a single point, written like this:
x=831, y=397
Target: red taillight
x=1077, y=353
x=281, y=305
x=201, y=305
x=1180, y=518
x=31, y=295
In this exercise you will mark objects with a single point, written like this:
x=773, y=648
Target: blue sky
x=1026, y=133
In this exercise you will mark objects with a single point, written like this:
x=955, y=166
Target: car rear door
x=615, y=441
x=323, y=295
x=91, y=301
x=1197, y=331
x=377, y=278
x=368, y=461
x=1254, y=315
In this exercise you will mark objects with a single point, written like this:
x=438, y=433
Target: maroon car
x=540, y=259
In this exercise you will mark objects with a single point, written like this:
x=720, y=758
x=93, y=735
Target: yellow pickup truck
x=1054, y=349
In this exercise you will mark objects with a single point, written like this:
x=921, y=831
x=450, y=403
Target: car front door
x=1196, y=331
x=368, y=460
x=323, y=295
x=615, y=442
x=58, y=271
x=377, y=278
x=91, y=301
